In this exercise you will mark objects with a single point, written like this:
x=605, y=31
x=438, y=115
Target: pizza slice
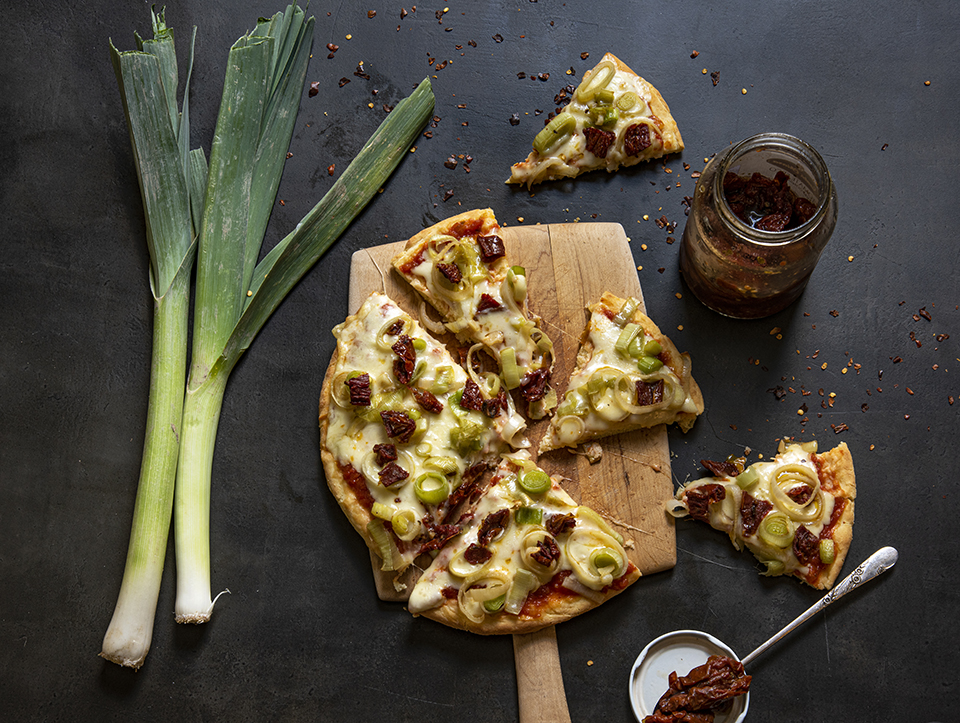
x=628, y=376
x=405, y=433
x=531, y=558
x=794, y=513
x=459, y=267
x=615, y=118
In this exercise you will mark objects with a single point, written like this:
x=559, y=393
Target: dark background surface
x=302, y=635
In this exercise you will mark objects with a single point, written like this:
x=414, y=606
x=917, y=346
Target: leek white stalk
x=235, y=295
x=172, y=179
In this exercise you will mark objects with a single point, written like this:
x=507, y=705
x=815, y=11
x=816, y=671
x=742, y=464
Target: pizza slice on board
x=628, y=376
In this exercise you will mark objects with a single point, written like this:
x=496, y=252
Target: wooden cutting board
x=568, y=267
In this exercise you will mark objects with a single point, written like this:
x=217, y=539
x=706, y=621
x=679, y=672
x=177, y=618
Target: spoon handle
x=883, y=559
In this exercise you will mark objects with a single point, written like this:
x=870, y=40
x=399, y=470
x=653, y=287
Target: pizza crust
x=837, y=464
x=561, y=609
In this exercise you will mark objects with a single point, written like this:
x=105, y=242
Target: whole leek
x=235, y=294
x=172, y=180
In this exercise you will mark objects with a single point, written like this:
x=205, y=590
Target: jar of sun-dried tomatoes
x=762, y=212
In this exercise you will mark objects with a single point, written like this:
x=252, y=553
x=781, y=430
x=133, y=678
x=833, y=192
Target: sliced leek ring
x=406, y=525
x=597, y=80
x=478, y=589
x=340, y=391
x=597, y=558
x=459, y=566
x=386, y=342
x=788, y=477
x=568, y=429
x=529, y=547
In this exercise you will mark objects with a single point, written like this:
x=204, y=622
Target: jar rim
x=796, y=147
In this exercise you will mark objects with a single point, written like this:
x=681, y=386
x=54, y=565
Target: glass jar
x=731, y=265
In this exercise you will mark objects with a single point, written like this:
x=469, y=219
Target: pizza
x=794, y=513
x=628, y=376
x=531, y=557
x=615, y=118
x=459, y=267
x=426, y=463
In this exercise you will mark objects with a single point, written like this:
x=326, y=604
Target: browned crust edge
x=838, y=462
x=563, y=609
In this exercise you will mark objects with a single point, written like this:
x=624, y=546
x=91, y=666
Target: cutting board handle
x=539, y=679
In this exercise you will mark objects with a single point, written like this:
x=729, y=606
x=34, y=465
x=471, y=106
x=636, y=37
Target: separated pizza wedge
x=405, y=432
x=616, y=118
x=531, y=558
x=794, y=513
x=628, y=376
x=459, y=267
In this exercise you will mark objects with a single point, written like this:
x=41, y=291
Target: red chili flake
x=521, y=75
x=897, y=360
x=909, y=391
x=885, y=146
x=427, y=400
x=584, y=56
x=695, y=174
x=450, y=163
x=385, y=453
x=398, y=425
x=403, y=13
x=906, y=416
x=942, y=337
x=392, y=473
x=778, y=392
x=864, y=407
x=314, y=88
x=371, y=13
x=387, y=108
x=834, y=313
x=571, y=71
x=441, y=66
x=498, y=38
x=837, y=428
x=515, y=119
x=544, y=77
x=448, y=194
x=332, y=48
x=359, y=72
x=331, y=168
x=472, y=43
x=343, y=82
x=950, y=399
x=715, y=77
x=925, y=314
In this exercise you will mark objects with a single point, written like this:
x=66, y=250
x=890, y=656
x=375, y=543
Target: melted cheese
x=351, y=440
x=507, y=549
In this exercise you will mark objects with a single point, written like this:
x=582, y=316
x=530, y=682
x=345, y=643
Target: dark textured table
x=868, y=355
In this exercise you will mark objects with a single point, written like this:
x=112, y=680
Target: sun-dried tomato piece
x=392, y=473
x=560, y=524
x=492, y=526
x=546, y=552
x=472, y=398
x=700, y=498
x=599, y=141
x=406, y=360
x=721, y=469
x=806, y=546
x=398, y=425
x=359, y=390
x=491, y=248
x=648, y=393
x=385, y=453
x=476, y=555
x=395, y=328
x=534, y=384
x=493, y=407
x=636, y=139
x=752, y=512
x=451, y=272
x=488, y=303
x=427, y=400
x=440, y=535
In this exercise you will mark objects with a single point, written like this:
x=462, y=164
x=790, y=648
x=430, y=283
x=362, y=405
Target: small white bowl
x=680, y=651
